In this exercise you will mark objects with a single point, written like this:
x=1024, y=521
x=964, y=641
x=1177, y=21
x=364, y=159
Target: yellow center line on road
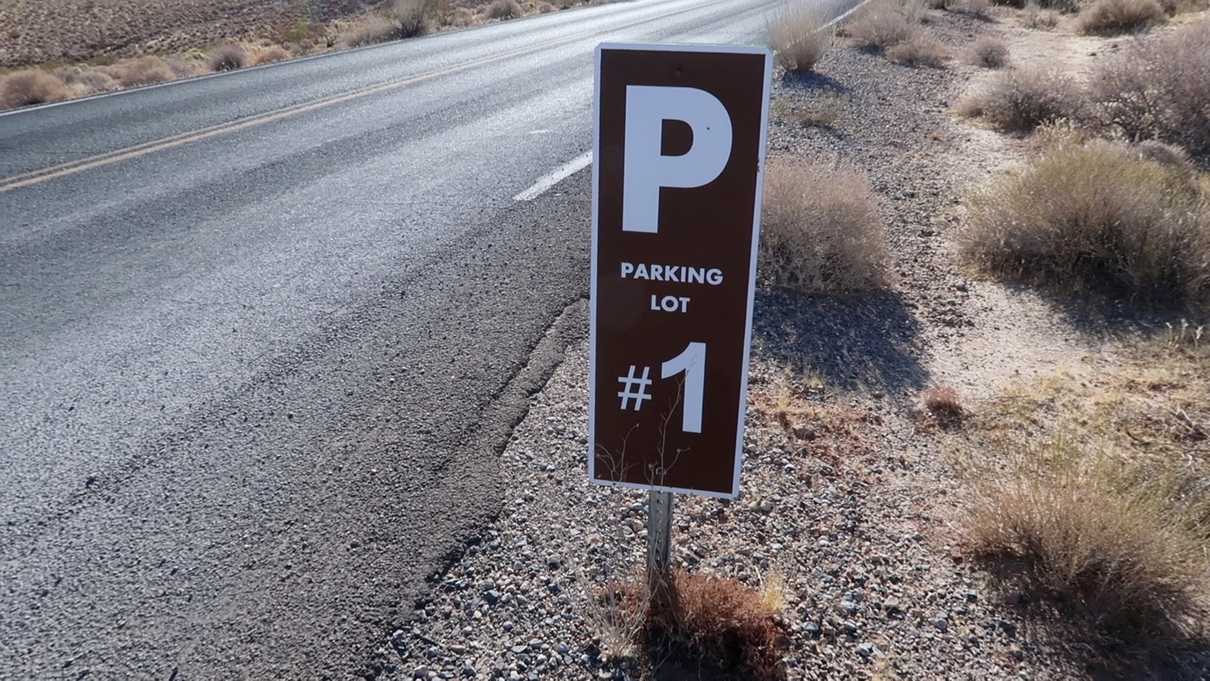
x=72, y=167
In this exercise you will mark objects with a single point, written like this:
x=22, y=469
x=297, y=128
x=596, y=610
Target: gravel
x=853, y=512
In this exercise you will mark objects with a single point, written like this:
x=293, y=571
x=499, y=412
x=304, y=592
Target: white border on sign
x=592, y=318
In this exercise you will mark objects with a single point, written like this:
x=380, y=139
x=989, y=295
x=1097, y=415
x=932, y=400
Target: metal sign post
x=659, y=540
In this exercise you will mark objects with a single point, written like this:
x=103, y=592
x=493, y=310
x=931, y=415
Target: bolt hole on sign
x=677, y=178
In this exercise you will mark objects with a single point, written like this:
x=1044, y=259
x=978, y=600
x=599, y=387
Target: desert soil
x=856, y=513
x=34, y=32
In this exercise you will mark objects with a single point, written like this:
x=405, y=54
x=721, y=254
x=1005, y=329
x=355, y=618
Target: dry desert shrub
x=705, y=620
x=270, y=55
x=504, y=9
x=943, y=403
x=821, y=229
x=402, y=19
x=797, y=35
x=24, y=88
x=229, y=57
x=411, y=17
x=186, y=68
x=370, y=30
x=1098, y=215
x=884, y=23
x=140, y=71
x=1091, y=488
x=461, y=17
x=1121, y=547
x=1110, y=17
x=84, y=81
x=990, y=53
x=979, y=9
x=1020, y=100
x=1037, y=18
x=1158, y=88
x=919, y=50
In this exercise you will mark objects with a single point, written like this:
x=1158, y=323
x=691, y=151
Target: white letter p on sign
x=646, y=169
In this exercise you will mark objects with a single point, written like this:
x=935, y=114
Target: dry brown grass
x=988, y=52
x=1110, y=17
x=270, y=55
x=370, y=30
x=943, y=404
x=84, y=81
x=462, y=17
x=1158, y=88
x=797, y=35
x=919, y=50
x=1020, y=100
x=1097, y=215
x=979, y=9
x=1092, y=491
x=1037, y=18
x=707, y=621
x=140, y=71
x=399, y=20
x=821, y=229
x=411, y=17
x=24, y=88
x=885, y=23
x=504, y=9
x=229, y=57
x=826, y=431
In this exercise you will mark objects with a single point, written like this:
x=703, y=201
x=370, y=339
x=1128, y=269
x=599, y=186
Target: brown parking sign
x=680, y=145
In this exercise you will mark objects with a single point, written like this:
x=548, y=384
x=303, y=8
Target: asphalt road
x=262, y=336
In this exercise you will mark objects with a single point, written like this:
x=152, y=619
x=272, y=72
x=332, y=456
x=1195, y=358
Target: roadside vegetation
x=700, y=622
x=821, y=229
x=990, y=53
x=1090, y=490
x=1097, y=214
x=798, y=37
x=1020, y=100
x=883, y=24
x=389, y=20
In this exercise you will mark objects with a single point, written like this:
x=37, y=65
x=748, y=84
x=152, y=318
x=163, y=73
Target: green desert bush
x=821, y=230
x=1158, y=88
x=797, y=36
x=1110, y=17
x=1098, y=214
x=33, y=86
x=1020, y=100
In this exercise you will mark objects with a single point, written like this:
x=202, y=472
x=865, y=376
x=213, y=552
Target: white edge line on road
x=578, y=163
x=555, y=177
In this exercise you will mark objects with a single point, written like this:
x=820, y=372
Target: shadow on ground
x=812, y=81
x=1148, y=649
x=1101, y=310
x=869, y=341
